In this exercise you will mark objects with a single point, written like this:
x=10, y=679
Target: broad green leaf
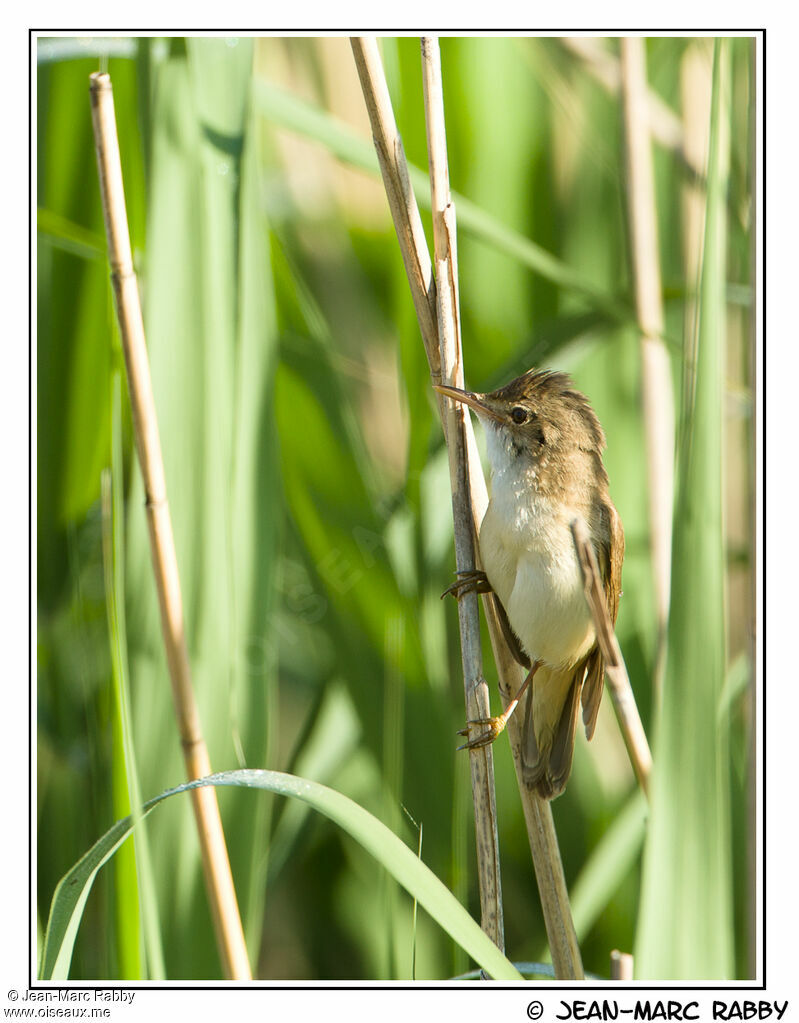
x=209, y=317
x=685, y=919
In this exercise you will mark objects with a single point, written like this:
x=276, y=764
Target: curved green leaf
x=73, y=890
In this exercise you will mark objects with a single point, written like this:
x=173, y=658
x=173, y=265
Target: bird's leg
x=496, y=726
x=470, y=581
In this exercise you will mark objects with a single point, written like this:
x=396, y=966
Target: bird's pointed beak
x=470, y=398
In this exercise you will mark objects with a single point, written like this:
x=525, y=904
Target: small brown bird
x=544, y=443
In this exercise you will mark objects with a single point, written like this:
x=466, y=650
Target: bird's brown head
x=539, y=414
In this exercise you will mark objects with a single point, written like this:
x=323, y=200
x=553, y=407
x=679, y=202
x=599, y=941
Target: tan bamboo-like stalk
x=401, y=200
x=547, y=862
x=621, y=965
x=216, y=865
x=658, y=392
x=618, y=681
x=475, y=686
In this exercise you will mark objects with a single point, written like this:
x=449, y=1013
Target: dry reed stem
x=537, y=813
x=401, y=200
x=216, y=865
x=658, y=394
x=476, y=688
x=618, y=681
x=621, y=965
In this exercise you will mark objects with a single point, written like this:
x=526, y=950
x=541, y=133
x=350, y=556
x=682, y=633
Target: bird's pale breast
x=529, y=557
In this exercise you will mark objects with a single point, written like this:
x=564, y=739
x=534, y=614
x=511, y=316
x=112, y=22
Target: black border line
x=444, y=986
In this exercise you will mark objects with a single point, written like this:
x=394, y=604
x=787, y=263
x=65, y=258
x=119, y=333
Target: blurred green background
x=309, y=489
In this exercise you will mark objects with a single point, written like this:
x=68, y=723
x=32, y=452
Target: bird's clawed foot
x=472, y=581
x=492, y=729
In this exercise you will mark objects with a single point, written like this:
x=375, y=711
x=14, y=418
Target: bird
x=544, y=444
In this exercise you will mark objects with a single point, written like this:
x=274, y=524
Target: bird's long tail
x=550, y=725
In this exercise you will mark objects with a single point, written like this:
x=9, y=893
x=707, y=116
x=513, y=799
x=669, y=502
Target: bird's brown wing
x=610, y=554
x=509, y=635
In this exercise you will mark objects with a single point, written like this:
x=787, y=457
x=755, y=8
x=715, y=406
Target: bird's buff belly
x=541, y=589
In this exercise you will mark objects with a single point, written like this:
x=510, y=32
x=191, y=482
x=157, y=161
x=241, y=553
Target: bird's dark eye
x=518, y=415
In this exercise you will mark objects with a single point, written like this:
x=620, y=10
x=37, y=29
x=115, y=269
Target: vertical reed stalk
x=658, y=394
x=407, y=222
x=476, y=688
x=216, y=866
